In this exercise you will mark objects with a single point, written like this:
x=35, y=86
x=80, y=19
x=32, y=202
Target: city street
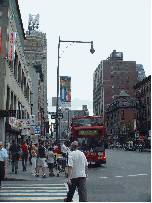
x=126, y=177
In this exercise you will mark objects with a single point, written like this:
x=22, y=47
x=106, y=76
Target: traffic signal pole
x=57, y=103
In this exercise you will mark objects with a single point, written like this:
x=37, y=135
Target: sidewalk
x=26, y=175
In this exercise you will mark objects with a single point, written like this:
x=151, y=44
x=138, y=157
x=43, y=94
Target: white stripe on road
x=104, y=177
x=118, y=176
x=132, y=175
x=142, y=174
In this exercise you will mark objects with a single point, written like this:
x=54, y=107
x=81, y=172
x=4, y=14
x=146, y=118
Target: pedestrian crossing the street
x=33, y=192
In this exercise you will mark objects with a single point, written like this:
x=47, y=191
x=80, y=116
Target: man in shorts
x=42, y=159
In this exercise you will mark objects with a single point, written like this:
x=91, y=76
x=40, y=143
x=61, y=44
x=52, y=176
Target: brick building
x=143, y=107
x=109, y=79
x=119, y=125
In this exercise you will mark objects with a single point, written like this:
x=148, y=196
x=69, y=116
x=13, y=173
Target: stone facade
x=15, y=80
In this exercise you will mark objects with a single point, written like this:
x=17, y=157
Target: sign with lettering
x=11, y=46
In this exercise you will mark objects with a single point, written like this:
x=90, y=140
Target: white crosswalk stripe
x=33, y=192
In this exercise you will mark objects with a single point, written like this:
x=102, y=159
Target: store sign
x=24, y=123
x=32, y=119
x=11, y=46
x=8, y=113
x=14, y=123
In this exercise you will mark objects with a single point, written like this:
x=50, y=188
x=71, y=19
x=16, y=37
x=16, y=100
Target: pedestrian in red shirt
x=24, y=156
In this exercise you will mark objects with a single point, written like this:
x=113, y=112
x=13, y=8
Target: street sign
x=53, y=116
x=37, y=129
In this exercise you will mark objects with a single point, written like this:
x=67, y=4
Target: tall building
x=143, y=107
x=141, y=72
x=109, y=79
x=15, y=80
x=36, y=56
x=119, y=125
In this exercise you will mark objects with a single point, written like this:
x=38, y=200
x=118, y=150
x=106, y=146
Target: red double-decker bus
x=89, y=132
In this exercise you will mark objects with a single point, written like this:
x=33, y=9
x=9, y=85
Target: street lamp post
x=57, y=103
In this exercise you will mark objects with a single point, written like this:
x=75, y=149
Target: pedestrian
x=42, y=159
x=50, y=161
x=33, y=159
x=36, y=151
x=77, y=173
x=24, y=155
x=64, y=154
x=30, y=154
x=3, y=161
x=14, y=154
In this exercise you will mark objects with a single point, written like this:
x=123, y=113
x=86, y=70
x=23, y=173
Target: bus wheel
x=97, y=164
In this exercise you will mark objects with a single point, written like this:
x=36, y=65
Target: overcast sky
x=121, y=25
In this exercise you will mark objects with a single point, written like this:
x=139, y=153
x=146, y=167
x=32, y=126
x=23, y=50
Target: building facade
x=120, y=115
x=15, y=80
x=109, y=79
x=36, y=57
x=141, y=72
x=143, y=107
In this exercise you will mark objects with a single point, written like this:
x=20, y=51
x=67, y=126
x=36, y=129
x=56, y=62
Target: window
x=127, y=73
x=124, y=103
x=147, y=100
x=121, y=82
x=118, y=77
x=127, y=68
x=121, y=73
x=117, y=72
x=122, y=113
x=112, y=77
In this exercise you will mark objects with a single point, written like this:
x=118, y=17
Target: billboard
x=65, y=91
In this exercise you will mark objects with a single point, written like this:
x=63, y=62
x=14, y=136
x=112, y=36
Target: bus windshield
x=87, y=122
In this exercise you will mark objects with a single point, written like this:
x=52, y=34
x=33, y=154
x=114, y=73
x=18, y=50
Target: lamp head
x=92, y=49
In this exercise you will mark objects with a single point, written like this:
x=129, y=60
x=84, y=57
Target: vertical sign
x=32, y=120
x=65, y=91
x=0, y=40
x=11, y=46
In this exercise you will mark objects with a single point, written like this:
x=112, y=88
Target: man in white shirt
x=3, y=161
x=77, y=173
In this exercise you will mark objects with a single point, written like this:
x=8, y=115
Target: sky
x=121, y=25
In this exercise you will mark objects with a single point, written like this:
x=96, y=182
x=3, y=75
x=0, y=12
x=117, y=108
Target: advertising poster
x=65, y=91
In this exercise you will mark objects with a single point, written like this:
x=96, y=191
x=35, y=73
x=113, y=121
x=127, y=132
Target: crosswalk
x=33, y=192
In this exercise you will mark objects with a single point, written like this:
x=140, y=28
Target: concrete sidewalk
x=26, y=175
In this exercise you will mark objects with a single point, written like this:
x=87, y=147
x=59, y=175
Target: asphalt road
x=126, y=177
